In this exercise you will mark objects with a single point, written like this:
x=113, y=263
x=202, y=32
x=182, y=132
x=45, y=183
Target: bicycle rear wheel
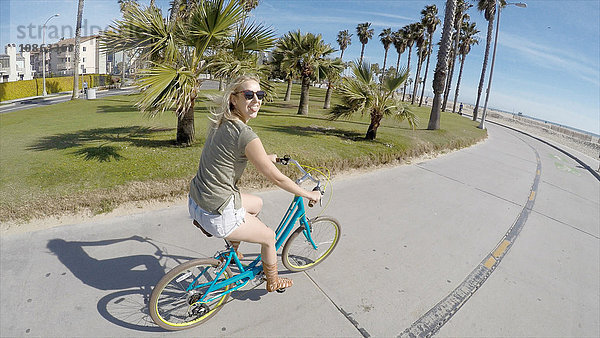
x=299, y=254
x=173, y=308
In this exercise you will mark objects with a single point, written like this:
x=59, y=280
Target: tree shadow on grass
x=136, y=136
x=320, y=130
x=101, y=153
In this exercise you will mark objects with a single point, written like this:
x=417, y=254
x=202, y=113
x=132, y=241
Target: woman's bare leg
x=253, y=230
x=252, y=203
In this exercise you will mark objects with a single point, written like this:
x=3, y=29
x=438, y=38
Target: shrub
x=28, y=88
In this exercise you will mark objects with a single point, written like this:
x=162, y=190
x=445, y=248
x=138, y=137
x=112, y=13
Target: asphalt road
x=500, y=239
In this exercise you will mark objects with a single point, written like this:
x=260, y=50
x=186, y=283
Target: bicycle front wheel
x=173, y=307
x=299, y=254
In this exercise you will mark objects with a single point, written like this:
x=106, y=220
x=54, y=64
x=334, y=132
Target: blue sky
x=547, y=63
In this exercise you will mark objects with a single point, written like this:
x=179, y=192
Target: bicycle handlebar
x=286, y=159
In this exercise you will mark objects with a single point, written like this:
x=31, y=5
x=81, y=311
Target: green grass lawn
x=96, y=154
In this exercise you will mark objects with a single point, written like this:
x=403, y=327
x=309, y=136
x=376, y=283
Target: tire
x=169, y=304
x=298, y=253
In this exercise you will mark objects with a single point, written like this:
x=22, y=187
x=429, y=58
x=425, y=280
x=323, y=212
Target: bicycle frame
x=295, y=213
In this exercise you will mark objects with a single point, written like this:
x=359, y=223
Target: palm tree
x=344, y=40
x=248, y=6
x=441, y=68
x=430, y=21
x=307, y=52
x=174, y=9
x=180, y=48
x=460, y=18
x=77, y=44
x=400, y=45
x=488, y=7
x=467, y=39
x=286, y=60
x=424, y=52
x=386, y=39
x=362, y=94
x=364, y=34
x=410, y=34
x=331, y=69
x=419, y=33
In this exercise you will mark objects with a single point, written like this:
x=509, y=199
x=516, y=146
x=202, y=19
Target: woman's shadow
x=132, y=277
x=107, y=274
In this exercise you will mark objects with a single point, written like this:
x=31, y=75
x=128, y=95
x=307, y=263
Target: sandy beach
x=582, y=142
x=586, y=144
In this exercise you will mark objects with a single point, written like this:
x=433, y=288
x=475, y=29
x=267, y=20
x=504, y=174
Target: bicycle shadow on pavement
x=131, y=276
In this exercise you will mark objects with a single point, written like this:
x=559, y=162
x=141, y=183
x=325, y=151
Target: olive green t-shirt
x=222, y=163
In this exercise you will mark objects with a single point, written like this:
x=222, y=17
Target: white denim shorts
x=217, y=225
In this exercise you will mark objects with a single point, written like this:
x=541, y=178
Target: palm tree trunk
x=375, y=122
x=288, y=92
x=303, y=106
x=175, y=10
x=328, y=96
x=221, y=84
x=185, y=126
x=384, y=61
x=342, y=54
x=441, y=67
x=77, y=44
x=419, y=63
x=448, y=86
x=407, y=67
x=426, y=69
x=398, y=64
x=462, y=63
x=362, y=52
x=454, y=55
x=485, y=61
x=123, y=70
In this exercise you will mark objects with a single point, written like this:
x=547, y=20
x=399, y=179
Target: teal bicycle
x=195, y=291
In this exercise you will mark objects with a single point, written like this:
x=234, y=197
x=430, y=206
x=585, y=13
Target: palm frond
x=212, y=22
x=392, y=83
x=141, y=28
x=363, y=72
x=166, y=87
x=401, y=111
x=253, y=37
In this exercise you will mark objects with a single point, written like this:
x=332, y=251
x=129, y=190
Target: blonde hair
x=227, y=110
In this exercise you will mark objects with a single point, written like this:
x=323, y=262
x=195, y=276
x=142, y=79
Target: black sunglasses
x=249, y=94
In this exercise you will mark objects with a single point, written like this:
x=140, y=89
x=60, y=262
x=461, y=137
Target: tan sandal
x=274, y=282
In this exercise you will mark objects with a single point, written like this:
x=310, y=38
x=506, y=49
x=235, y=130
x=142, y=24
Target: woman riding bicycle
x=215, y=201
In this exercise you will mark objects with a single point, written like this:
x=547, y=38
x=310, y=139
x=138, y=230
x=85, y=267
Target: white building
x=91, y=59
x=15, y=66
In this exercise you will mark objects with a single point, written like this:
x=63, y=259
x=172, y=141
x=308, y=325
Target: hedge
x=28, y=88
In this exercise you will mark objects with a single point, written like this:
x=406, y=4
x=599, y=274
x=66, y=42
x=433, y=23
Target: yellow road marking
x=501, y=248
x=532, y=196
x=490, y=262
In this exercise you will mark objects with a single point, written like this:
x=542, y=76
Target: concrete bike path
x=411, y=235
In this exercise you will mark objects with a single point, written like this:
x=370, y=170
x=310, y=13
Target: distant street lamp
x=44, y=52
x=487, y=93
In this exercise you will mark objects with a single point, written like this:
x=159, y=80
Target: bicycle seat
x=201, y=228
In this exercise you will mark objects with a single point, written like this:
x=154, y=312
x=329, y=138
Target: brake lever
x=283, y=160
